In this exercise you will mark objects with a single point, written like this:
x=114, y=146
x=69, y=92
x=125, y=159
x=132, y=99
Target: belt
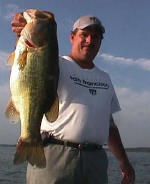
x=49, y=139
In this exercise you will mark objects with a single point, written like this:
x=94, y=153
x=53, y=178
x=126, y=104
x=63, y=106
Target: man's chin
x=87, y=58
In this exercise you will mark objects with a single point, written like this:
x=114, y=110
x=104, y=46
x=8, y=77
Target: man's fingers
x=17, y=30
x=18, y=23
x=128, y=179
x=18, y=19
x=128, y=173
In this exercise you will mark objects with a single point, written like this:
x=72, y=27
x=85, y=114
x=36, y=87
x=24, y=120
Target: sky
x=124, y=54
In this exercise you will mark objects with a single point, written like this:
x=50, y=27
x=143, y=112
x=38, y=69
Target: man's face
x=86, y=43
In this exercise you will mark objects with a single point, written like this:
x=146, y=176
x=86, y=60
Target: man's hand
x=128, y=173
x=18, y=23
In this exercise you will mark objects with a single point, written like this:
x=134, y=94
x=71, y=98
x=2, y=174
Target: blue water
x=11, y=174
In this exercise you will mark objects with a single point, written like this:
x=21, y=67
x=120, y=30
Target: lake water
x=140, y=159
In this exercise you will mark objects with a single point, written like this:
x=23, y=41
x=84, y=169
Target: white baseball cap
x=86, y=21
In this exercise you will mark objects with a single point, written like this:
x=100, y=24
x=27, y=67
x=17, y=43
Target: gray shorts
x=66, y=165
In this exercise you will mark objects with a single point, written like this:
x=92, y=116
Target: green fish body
x=33, y=84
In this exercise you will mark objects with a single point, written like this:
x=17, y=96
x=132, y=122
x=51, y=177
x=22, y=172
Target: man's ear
x=71, y=37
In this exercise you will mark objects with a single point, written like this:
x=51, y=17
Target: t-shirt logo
x=92, y=91
x=92, y=86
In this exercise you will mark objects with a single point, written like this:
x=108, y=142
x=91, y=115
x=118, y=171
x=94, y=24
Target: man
x=73, y=143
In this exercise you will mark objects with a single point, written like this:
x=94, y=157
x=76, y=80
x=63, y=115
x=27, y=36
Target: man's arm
x=117, y=148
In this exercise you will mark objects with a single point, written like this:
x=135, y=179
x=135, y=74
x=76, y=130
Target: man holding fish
x=73, y=143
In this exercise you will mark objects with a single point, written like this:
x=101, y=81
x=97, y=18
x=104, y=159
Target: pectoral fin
x=22, y=60
x=12, y=113
x=10, y=59
x=52, y=114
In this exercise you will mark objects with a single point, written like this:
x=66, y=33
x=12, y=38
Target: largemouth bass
x=33, y=84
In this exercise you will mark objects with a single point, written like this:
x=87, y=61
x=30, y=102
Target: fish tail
x=33, y=152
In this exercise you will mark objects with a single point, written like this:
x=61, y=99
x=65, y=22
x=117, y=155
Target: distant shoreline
x=130, y=149
x=7, y=145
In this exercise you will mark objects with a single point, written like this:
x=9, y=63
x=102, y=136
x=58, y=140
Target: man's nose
x=89, y=39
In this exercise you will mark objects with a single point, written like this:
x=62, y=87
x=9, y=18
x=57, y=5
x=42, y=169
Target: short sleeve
x=115, y=106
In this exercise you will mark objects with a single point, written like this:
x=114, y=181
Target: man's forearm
x=115, y=144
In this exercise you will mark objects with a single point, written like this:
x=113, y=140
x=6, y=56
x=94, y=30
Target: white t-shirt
x=86, y=101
